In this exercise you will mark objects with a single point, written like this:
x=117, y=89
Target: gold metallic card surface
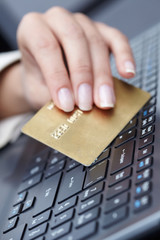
x=84, y=135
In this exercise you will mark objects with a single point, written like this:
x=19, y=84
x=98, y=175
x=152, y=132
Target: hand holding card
x=83, y=135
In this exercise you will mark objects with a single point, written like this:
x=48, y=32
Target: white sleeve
x=10, y=128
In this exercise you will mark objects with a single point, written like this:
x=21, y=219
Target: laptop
x=48, y=196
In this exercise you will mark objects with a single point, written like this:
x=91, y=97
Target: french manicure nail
x=66, y=99
x=85, y=97
x=106, y=96
x=129, y=67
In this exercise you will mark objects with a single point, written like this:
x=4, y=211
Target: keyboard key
x=144, y=175
x=15, y=211
x=11, y=224
x=104, y=155
x=116, y=202
x=141, y=203
x=72, y=183
x=117, y=189
x=146, y=131
x=144, y=152
x=71, y=164
x=90, y=203
x=44, y=217
x=47, y=194
x=62, y=218
x=125, y=137
x=28, y=204
x=148, y=111
x=65, y=205
x=85, y=232
x=95, y=174
x=145, y=163
x=147, y=121
x=122, y=157
x=114, y=217
x=15, y=234
x=117, y=177
x=86, y=217
x=34, y=170
x=40, y=157
x=145, y=141
x=142, y=189
x=132, y=123
x=20, y=198
x=97, y=188
x=30, y=183
x=59, y=232
x=36, y=232
x=55, y=158
x=53, y=169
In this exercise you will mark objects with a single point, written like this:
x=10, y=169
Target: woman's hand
x=50, y=41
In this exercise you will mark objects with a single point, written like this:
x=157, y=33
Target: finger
x=118, y=43
x=73, y=40
x=103, y=84
x=45, y=48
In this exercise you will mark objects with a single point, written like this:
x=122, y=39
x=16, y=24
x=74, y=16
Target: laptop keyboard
x=59, y=198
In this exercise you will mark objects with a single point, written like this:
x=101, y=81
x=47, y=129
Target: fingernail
x=85, y=97
x=107, y=97
x=66, y=99
x=129, y=67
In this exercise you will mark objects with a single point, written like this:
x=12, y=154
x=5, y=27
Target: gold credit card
x=84, y=135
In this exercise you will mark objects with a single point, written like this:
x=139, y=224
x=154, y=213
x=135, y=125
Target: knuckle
x=57, y=75
x=81, y=68
x=118, y=34
x=75, y=31
x=96, y=40
x=46, y=44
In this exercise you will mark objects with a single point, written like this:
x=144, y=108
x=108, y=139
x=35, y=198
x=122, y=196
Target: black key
x=15, y=234
x=152, y=101
x=41, y=157
x=71, y=164
x=59, y=232
x=47, y=194
x=104, y=155
x=97, y=188
x=145, y=141
x=15, y=211
x=20, y=198
x=55, y=158
x=44, y=217
x=147, y=121
x=122, y=157
x=90, y=203
x=141, y=203
x=34, y=170
x=125, y=137
x=72, y=183
x=117, y=177
x=10, y=224
x=118, y=188
x=30, y=183
x=144, y=175
x=132, y=123
x=36, y=232
x=145, y=163
x=65, y=205
x=53, y=169
x=95, y=174
x=114, y=217
x=144, y=152
x=117, y=202
x=142, y=189
x=148, y=111
x=146, y=131
x=87, y=217
x=86, y=231
x=62, y=218
x=28, y=204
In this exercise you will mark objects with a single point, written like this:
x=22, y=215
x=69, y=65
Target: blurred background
x=130, y=16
